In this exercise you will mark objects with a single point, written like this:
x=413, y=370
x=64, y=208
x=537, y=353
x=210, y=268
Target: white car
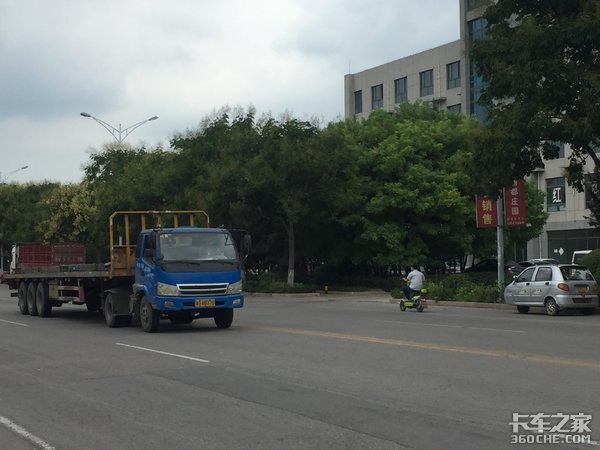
x=555, y=287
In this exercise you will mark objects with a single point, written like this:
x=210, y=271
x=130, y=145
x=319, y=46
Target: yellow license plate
x=203, y=302
x=582, y=291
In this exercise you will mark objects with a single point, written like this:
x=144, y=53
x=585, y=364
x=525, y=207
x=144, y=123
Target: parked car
x=555, y=287
x=521, y=265
x=489, y=265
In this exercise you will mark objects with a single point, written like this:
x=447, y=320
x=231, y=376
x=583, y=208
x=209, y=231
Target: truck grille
x=203, y=289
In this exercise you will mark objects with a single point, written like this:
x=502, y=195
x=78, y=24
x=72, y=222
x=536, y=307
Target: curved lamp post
x=3, y=178
x=120, y=134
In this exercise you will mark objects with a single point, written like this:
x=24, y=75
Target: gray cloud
x=125, y=60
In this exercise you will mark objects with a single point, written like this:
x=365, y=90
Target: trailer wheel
x=42, y=302
x=224, y=317
x=23, y=298
x=148, y=317
x=31, y=306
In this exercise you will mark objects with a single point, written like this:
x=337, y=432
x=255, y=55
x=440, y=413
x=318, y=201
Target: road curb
x=377, y=297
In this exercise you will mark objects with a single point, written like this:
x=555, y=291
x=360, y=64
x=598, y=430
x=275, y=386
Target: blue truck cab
x=185, y=273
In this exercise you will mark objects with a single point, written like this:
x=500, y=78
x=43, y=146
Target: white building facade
x=444, y=77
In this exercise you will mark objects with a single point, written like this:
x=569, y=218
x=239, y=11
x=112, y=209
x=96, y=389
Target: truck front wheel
x=148, y=316
x=224, y=317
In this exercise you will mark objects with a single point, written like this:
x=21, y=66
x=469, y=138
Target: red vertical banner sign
x=514, y=204
x=486, y=212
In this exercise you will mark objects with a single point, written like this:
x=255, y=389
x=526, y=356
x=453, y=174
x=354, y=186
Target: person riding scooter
x=415, y=281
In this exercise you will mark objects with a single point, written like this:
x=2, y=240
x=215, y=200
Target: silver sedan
x=555, y=287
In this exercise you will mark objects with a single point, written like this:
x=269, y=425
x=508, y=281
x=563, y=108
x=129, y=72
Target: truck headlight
x=167, y=289
x=234, y=288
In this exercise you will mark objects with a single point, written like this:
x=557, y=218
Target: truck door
x=146, y=262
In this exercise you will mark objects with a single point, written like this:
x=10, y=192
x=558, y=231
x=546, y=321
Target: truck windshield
x=197, y=247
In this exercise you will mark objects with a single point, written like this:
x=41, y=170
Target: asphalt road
x=336, y=372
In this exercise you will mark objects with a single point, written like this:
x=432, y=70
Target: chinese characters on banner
x=514, y=204
x=486, y=212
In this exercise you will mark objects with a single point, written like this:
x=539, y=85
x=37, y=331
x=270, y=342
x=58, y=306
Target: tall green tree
x=540, y=64
x=276, y=178
x=72, y=213
x=122, y=178
x=417, y=207
x=21, y=210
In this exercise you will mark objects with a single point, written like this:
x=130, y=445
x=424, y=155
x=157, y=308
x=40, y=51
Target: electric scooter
x=417, y=301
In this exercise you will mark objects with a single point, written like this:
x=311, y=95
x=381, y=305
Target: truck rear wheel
x=31, y=306
x=42, y=302
x=149, y=317
x=224, y=317
x=23, y=298
x=111, y=320
x=111, y=307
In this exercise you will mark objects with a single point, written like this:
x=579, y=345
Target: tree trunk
x=291, y=253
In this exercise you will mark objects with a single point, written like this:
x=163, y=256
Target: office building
x=444, y=77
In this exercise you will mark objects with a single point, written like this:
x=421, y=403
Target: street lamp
x=120, y=134
x=5, y=177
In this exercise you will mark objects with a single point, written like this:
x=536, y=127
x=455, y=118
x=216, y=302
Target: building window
x=453, y=74
x=589, y=188
x=561, y=148
x=357, y=102
x=400, y=91
x=454, y=108
x=377, y=96
x=426, y=82
x=476, y=31
x=555, y=194
x=477, y=28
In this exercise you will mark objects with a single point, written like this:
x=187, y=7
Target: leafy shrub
x=461, y=287
x=592, y=262
x=280, y=287
x=478, y=293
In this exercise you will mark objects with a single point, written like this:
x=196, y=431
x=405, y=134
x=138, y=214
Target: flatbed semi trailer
x=181, y=273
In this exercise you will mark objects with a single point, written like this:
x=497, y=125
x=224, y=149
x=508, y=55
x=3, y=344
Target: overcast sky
x=127, y=60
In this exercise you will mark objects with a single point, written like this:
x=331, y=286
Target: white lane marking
x=454, y=326
x=14, y=323
x=163, y=353
x=24, y=433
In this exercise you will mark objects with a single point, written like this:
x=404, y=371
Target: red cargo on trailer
x=31, y=255
x=67, y=253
